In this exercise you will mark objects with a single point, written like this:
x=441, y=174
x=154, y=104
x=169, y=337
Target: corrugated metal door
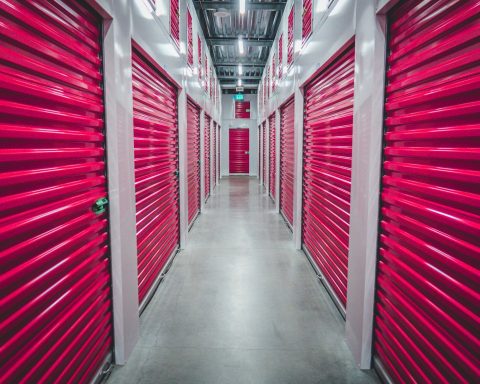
x=290, y=35
x=175, y=21
x=259, y=149
x=427, y=318
x=214, y=155
x=239, y=150
x=327, y=167
x=206, y=144
x=56, y=321
x=272, y=156
x=242, y=109
x=280, y=56
x=264, y=151
x=287, y=161
x=219, y=151
x=156, y=167
x=307, y=20
x=189, y=38
x=193, y=160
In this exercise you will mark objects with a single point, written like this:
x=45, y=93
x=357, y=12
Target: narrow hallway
x=240, y=305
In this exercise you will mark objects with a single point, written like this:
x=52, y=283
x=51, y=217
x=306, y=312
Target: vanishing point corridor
x=240, y=305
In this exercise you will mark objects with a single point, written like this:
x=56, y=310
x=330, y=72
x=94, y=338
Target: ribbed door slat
x=56, y=319
x=327, y=165
x=193, y=160
x=156, y=164
x=272, y=156
x=287, y=161
x=428, y=293
x=207, y=169
x=239, y=143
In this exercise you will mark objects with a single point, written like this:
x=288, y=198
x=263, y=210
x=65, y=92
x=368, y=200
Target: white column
x=366, y=166
x=298, y=171
x=183, y=165
x=117, y=49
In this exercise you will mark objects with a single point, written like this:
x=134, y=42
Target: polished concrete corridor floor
x=240, y=305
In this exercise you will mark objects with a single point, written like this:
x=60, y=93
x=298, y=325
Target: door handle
x=247, y=152
x=100, y=206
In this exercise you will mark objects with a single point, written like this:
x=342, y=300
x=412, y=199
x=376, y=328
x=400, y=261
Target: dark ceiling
x=222, y=24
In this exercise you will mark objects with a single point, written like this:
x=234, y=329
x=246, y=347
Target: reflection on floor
x=240, y=305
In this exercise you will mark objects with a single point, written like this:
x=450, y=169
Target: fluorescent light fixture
x=240, y=69
x=242, y=7
x=239, y=82
x=241, y=47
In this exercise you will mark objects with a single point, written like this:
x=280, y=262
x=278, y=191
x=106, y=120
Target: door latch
x=176, y=173
x=100, y=206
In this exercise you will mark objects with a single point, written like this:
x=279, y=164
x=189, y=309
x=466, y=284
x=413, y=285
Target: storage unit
x=214, y=173
x=219, y=151
x=242, y=109
x=56, y=321
x=193, y=160
x=175, y=21
x=287, y=160
x=290, y=35
x=426, y=323
x=156, y=170
x=189, y=38
x=264, y=152
x=307, y=20
x=259, y=150
x=327, y=168
x=272, y=156
x=239, y=143
x=206, y=145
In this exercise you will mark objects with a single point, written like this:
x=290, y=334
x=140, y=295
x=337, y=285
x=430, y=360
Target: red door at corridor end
x=239, y=153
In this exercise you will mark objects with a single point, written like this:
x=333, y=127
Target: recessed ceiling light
x=242, y=7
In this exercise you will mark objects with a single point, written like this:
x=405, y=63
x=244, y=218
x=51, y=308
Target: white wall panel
x=121, y=177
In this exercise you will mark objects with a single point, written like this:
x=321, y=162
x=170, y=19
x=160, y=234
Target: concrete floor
x=240, y=305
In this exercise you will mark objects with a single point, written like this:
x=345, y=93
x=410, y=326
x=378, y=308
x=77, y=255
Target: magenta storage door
x=287, y=160
x=327, y=168
x=427, y=318
x=272, y=156
x=214, y=159
x=56, y=320
x=193, y=160
x=239, y=150
x=206, y=145
x=156, y=167
x=259, y=150
x=264, y=153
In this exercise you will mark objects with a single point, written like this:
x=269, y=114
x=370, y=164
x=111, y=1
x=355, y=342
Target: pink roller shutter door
x=156, y=167
x=287, y=161
x=327, y=168
x=56, y=321
x=427, y=319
